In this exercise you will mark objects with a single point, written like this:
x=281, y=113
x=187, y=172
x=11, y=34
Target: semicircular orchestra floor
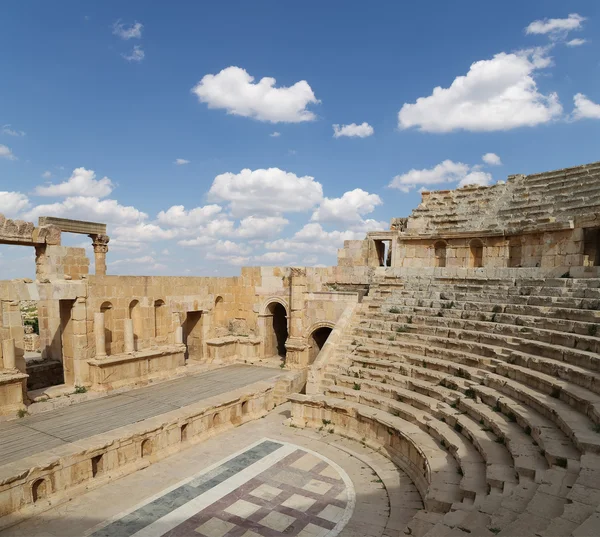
x=263, y=479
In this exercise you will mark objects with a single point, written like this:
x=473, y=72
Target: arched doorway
x=277, y=330
x=317, y=340
x=476, y=251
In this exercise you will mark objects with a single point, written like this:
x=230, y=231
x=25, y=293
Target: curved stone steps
x=575, y=425
x=433, y=470
x=555, y=444
x=496, y=360
x=525, y=458
x=472, y=467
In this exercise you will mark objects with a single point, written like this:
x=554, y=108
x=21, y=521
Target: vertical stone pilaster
x=296, y=348
x=128, y=335
x=99, y=336
x=8, y=354
x=100, y=244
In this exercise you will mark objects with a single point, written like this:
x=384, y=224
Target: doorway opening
x=439, y=249
x=192, y=335
x=476, y=253
x=317, y=340
x=66, y=339
x=277, y=332
x=384, y=253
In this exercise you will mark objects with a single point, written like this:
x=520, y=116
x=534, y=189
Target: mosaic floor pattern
x=270, y=489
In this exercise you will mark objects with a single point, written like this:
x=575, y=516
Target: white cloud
x=556, y=27
x=6, y=153
x=368, y=225
x=491, y=159
x=89, y=208
x=143, y=260
x=585, y=108
x=133, y=31
x=181, y=161
x=230, y=248
x=275, y=258
x=47, y=174
x=233, y=90
x=12, y=203
x=361, y=131
x=237, y=261
x=496, y=94
x=177, y=216
x=6, y=129
x=136, y=54
x=81, y=183
x=254, y=227
x=312, y=238
x=476, y=178
x=266, y=191
x=142, y=232
x=275, y=134
x=576, y=42
x=445, y=172
x=347, y=209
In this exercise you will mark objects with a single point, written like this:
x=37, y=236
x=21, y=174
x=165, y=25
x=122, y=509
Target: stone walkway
x=34, y=434
x=261, y=479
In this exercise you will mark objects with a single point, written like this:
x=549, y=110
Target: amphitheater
x=442, y=380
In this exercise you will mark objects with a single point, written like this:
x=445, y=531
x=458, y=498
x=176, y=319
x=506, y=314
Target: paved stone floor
x=34, y=434
x=262, y=479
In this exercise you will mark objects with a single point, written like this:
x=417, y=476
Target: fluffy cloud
x=576, y=42
x=5, y=152
x=89, y=208
x=584, y=108
x=556, y=27
x=265, y=191
x=177, y=216
x=496, y=94
x=236, y=260
x=275, y=258
x=275, y=134
x=81, y=183
x=181, y=161
x=491, y=159
x=476, y=177
x=347, y=209
x=133, y=31
x=312, y=238
x=6, y=129
x=136, y=54
x=230, y=248
x=47, y=174
x=12, y=203
x=361, y=131
x=445, y=172
x=260, y=227
x=142, y=232
x=233, y=90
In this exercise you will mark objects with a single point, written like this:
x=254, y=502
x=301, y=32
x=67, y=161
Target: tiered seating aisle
x=487, y=392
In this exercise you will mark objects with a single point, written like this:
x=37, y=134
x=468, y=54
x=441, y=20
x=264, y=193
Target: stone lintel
x=73, y=226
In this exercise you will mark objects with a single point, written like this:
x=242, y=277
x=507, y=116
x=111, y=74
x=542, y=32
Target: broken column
x=8, y=354
x=128, y=335
x=100, y=244
x=296, y=348
x=99, y=335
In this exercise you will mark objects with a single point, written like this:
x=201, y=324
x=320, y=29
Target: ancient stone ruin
x=460, y=349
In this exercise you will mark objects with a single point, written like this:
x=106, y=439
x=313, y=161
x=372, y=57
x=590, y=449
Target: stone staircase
x=487, y=392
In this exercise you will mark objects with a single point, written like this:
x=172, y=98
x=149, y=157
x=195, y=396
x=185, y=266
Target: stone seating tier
x=502, y=375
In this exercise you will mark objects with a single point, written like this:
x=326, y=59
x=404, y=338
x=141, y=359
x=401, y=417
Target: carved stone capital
x=100, y=243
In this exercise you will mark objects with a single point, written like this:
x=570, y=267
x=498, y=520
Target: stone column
x=100, y=243
x=8, y=354
x=128, y=336
x=297, y=350
x=99, y=335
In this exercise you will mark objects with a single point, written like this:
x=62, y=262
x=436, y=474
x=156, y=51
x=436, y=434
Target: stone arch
x=135, y=314
x=146, y=448
x=276, y=327
x=267, y=303
x=316, y=338
x=475, y=253
x=160, y=318
x=40, y=489
x=439, y=251
x=109, y=328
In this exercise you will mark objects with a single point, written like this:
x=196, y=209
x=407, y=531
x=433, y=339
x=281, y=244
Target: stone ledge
x=137, y=355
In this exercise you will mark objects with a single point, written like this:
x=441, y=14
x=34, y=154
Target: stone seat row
x=556, y=399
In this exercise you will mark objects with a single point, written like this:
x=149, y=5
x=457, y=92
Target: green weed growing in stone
x=394, y=310
x=80, y=389
x=22, y=412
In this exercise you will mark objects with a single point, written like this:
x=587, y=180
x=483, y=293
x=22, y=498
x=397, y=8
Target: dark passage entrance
x=275, y=344
x=317, y=340
x=192, y=335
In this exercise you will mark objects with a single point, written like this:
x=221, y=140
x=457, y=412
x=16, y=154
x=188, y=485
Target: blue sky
x=99, y=100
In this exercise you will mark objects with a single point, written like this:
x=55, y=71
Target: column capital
x=100, y=243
